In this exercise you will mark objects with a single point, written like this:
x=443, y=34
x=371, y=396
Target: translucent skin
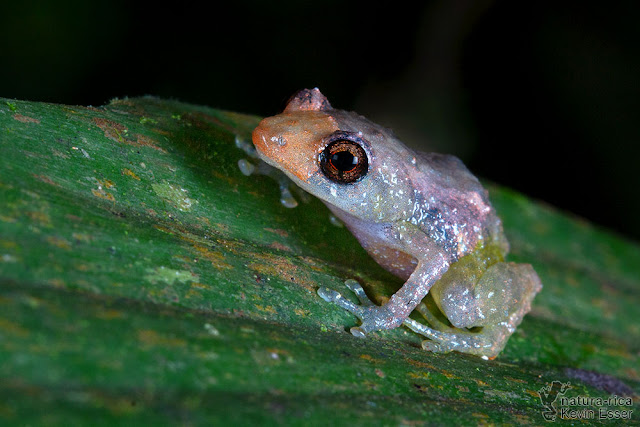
x=422, y=216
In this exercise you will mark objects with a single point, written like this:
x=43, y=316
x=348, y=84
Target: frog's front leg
x=394, y=312
x=259, y=167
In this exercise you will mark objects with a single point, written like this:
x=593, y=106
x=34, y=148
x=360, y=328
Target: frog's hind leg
x=487, y=343
x=432, y=319
x=493, y=308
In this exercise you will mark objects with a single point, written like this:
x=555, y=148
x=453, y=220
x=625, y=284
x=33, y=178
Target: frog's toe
x=246, y=167
x=358, y=332
x=286, y=198
x=328, y=295
x=357, y=289
x=435, y=347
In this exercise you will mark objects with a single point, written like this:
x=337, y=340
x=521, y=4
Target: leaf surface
x=143, y=278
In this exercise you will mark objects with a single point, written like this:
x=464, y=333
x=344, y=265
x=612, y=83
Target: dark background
x=538, y=96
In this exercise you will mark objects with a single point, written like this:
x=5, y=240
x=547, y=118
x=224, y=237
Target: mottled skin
x=422, y=216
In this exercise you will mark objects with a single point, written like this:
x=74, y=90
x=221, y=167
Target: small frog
x=422, y=216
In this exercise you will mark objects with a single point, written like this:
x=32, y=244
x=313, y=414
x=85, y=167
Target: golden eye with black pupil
x=344, y=161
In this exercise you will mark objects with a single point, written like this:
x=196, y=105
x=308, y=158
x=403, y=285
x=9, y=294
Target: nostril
x=280, y=140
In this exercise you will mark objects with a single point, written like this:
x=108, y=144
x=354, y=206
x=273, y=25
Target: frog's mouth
x=292, y=141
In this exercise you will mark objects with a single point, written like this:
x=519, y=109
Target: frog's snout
x=285, y=150
x=269, y=141
x=259, y=137
x=292, y=141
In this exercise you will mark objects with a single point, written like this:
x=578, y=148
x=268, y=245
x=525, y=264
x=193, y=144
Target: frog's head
x=340, y=157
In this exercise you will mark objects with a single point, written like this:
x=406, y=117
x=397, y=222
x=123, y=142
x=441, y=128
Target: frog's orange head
x=333, y=154
x=292, y=140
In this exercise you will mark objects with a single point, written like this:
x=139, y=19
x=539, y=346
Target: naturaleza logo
x=557, y=405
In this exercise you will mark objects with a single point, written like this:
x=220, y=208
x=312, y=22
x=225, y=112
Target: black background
x=538, y=96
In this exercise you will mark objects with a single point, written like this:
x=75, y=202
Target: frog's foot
x=373, y=317
x=435, y=347
x=247, y=147
x=432, y=319
x=486, y=343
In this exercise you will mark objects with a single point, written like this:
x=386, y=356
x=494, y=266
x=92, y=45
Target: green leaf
x=143, y=278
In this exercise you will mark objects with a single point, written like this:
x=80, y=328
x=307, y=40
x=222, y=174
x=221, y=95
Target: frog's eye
x=344, y=161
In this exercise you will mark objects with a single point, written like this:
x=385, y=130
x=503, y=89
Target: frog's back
x=452, y=206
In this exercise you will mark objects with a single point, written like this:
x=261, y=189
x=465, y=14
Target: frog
x=424, y=217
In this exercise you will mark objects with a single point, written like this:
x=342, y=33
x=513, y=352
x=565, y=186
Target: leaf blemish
x=25, y=119
x=168, y=275
x=175, y=195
